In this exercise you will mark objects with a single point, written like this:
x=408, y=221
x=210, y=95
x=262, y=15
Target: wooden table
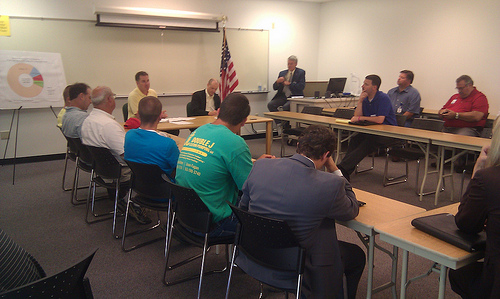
x=199, y=121
x=423, y=136
x=402, y=234
x=378, y=210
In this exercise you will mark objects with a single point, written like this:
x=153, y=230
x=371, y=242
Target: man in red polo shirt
x=465, y=113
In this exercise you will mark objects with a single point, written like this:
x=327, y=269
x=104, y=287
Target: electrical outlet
x=4, y=135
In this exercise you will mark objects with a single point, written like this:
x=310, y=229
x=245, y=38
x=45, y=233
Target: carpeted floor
x=37, y=213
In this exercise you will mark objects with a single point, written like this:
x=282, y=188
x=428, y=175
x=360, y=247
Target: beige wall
x=437, y=40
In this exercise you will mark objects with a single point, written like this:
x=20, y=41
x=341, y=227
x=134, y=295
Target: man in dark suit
x=206, y=101
x=290, y=82
x=310, y=201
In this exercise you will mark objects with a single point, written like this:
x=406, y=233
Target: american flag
x=228, y=78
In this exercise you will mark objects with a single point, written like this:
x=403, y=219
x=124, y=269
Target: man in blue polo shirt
x=375, y=106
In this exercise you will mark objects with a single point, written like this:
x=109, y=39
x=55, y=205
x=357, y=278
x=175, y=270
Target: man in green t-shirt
x=215, y=162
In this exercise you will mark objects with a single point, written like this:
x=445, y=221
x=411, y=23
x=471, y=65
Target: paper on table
x=341, y=120
x=182, y=122
x=175, y=119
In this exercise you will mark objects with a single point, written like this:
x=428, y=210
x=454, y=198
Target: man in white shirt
x=101, y=129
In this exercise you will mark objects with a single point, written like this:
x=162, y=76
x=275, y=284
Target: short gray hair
x=467, y=79
x=99, y=94
x=293, y=58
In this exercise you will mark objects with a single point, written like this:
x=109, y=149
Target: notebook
x=443, y=227
x=364, y=123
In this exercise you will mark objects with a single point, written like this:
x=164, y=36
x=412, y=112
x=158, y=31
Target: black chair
x=69, y=156
x=189, y=110
x=401, y=120
x=70, y=283
x=269, y=243
x=149, y=182
x=345, y=113
x=83, y=162
x=125, y=111
x=288, y=132
x=412, y=152
x=342, y=136
x=190, y=215
x=105, y=167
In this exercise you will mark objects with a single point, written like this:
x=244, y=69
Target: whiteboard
x=31, y=79
x=178, y=62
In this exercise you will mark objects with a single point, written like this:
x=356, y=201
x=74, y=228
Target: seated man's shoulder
x=199, y=92
x=392, y=90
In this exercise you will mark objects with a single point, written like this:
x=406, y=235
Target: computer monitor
x=336, y=86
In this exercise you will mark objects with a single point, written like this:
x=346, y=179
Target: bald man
x=206, y=101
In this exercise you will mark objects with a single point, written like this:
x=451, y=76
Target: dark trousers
x=353, y=260
x=361, y=146
x=471, y=281
x=279, y=100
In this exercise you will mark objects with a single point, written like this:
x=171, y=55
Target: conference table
x=425, y=137
x=194, y=122
x=378, y=210
x=402, y=234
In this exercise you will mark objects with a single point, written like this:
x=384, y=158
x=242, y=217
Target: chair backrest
x=190, y=210
x=401, y=119
x=189, y=110
x=125, y=111
x=421, y=110
x=428, y=124
x=486, y=133
x=82, y=150
x=69, y=283
x=149, y=180
x=71, y=145
x=268, y=242
x=343, y=113
x=312, y=110
x=104, y=163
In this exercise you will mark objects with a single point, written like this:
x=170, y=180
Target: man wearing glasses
x=466, y=112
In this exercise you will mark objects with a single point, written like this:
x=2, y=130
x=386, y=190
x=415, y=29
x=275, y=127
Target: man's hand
x=213, y=113
x=355, y=119
x=448, y=114
x=266, y=156
x=163, y=114
x=287, y=83
x=362, y=96
x=330, y=165
x=280, y=80
x=481, y=160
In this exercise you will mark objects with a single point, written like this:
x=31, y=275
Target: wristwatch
x=456, y=115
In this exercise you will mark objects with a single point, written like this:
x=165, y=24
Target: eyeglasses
x=461, y=87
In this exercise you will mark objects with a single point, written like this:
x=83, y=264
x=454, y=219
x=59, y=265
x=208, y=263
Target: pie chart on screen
x=25, y=80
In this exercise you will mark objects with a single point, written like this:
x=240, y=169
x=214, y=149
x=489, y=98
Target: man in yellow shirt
x=142, y=90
